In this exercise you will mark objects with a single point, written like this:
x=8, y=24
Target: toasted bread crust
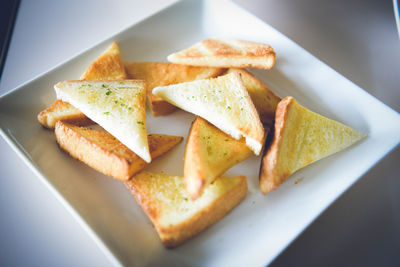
x=107, y=66
x=226, y=53
x=195, y=179
x=162, y=74
x=301, y=137
x=269, y=179
x=104, y=153
x=174, y=235
x=97, y=157
x=209, y=153
x=159, y=107
x=265, y=100
x=61, y=110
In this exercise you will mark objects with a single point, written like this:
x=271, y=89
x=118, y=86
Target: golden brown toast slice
x=301, y=137
x=263, y=98
x=119, y=106
x=224, y=102
x=226, y=53
x=177, y=218
x=104, y=153
x=162, y=74
x=107, y=66
x=209, y=153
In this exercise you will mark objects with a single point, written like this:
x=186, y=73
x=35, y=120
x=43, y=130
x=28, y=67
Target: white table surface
x=357, y=38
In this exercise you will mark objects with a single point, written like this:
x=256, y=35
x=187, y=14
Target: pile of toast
x=235, y=113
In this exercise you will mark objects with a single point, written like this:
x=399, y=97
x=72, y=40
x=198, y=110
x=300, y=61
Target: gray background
x=356, y=38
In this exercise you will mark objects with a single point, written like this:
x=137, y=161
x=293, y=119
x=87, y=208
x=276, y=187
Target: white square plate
x=255, y=232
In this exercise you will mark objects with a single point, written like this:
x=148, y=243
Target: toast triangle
x=209, y=153
x=226, y=53
x=104, y=153
x=177, y=218
x=162, y=74
x=118, y=106
x=106, y=67
x=301, y=137
x=224, y=102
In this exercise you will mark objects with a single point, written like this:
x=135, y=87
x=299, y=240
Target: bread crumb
x=298, y=180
